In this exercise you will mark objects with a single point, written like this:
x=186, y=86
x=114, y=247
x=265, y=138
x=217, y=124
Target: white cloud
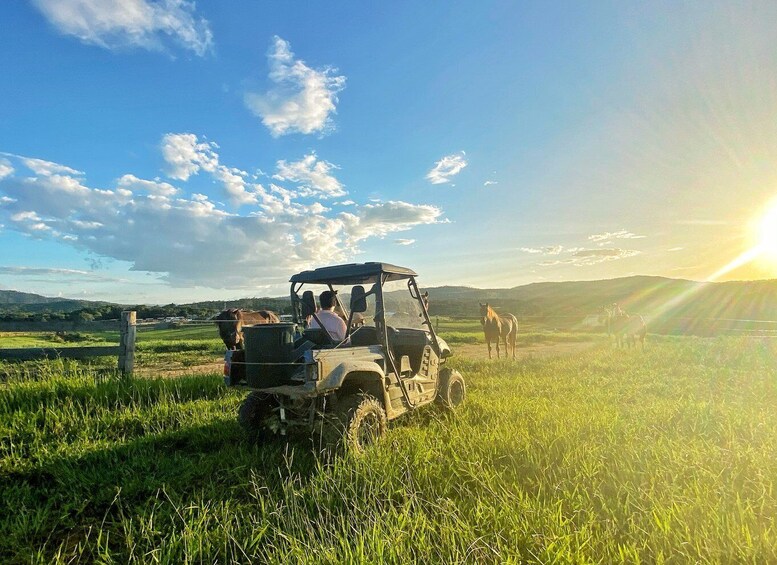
x=585, y=257
x=404, y=241
x=131, y=182
x=235, y=185
x=190, y=240
x=579, y=256
x=47, y=168
x=608, y=236
x=490, y=182
x=312, y=175
x=61, y=275
x=302, y=100
x=548, y=250
x=25, y=271
x=382, y=218
x=447, y=167
x=29, y=222
x=129, y=23
x=6, y=170
x=186, y=155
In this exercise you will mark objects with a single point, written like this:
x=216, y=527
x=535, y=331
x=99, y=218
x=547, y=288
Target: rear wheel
x=363, y=419
x=452, y=389
x=252, y=413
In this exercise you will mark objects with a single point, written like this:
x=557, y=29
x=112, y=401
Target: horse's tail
x=514, y=324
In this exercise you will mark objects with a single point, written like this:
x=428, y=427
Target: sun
x=768, y=232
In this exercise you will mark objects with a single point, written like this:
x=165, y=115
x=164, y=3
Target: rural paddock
x=595, y=455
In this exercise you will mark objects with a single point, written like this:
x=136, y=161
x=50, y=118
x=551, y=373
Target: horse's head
x=230, y=326
x=484, y=312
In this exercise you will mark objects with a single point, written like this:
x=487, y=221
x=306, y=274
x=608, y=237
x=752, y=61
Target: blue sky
x=175, y=151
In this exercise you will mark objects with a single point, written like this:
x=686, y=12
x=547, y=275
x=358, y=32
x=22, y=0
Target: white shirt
x=333, y=324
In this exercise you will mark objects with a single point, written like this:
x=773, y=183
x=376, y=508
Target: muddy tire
x=452, y=389
x=363, y=421
x=252, y=413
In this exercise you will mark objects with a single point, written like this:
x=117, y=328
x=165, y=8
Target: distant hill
x=12, y=300
x=16, y=297
x=669, y=305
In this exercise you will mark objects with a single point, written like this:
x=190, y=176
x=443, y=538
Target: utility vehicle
x=391, y=361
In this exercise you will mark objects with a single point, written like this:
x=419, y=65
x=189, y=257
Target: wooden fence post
x=127, y=343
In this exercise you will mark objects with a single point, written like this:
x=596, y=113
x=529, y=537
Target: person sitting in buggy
x=331, y=322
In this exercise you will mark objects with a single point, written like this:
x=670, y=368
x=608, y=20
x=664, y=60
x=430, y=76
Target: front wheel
x=364, y=421
x=452, y=389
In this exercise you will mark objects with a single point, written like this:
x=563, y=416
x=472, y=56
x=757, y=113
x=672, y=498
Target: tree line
x=103, y=312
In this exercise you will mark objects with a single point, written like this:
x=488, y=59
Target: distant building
x=591, y=321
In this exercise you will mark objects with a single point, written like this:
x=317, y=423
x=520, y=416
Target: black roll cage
x=380, y=321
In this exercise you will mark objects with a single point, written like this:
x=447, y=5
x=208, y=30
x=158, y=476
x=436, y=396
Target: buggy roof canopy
x=353, y=273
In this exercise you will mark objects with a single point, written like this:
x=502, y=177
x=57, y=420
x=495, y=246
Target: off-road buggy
x=391, y=361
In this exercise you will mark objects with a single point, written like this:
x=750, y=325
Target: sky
x=175, y=151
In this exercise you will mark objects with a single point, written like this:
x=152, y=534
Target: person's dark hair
x=327, y=299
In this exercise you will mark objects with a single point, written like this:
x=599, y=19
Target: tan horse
x=231, y=324
x=635, y=329
x=498, y=328
x=627, y=328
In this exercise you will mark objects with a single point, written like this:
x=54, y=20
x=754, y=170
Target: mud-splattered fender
x=333, y=379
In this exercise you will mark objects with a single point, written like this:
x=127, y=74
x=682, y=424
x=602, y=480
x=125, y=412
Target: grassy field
x=666, y=455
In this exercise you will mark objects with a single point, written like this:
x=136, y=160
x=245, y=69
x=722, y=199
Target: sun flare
x=768, y=235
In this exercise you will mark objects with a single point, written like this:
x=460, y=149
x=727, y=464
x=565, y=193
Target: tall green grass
x=666, y=455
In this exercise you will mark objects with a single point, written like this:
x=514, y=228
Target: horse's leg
x=497, y=345
x=512, y=340
x=488, y=342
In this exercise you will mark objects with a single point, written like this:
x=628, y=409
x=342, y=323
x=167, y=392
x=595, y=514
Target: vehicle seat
x=319, y=336
x=365, y=335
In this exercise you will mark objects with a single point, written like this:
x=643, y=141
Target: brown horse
x=231, y=324
x=498, y=328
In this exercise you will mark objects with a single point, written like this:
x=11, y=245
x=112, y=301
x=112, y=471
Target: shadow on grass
x=213, y=462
